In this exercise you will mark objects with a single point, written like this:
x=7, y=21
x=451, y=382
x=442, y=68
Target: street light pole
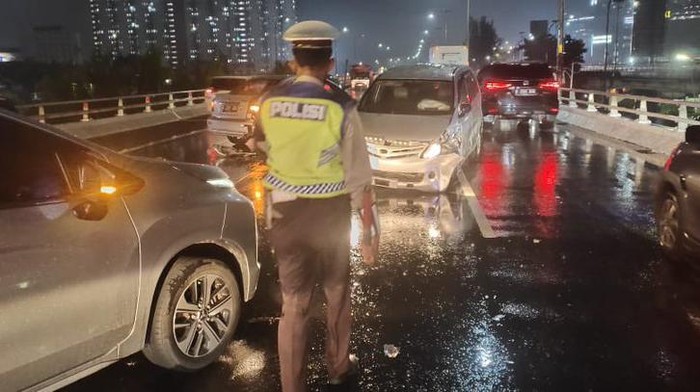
x=560, y=37
x=469, y=27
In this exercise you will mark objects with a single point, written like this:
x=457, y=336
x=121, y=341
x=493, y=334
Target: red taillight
x=494, y=85
x=670, y=159
x=550, y=85
x=554, y=110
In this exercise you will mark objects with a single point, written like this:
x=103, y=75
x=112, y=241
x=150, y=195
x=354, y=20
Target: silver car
x=421, y=123
x=234, y=106
x=103, y=255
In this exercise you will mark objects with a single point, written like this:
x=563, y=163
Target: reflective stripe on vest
x=310, y=190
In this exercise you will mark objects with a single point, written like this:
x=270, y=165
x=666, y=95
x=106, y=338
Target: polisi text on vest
x=298, y=110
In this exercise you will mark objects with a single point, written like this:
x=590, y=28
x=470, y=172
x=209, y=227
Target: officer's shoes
x=352, y=372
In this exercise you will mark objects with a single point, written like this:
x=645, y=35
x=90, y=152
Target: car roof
x=251, y=77
x=424, y=72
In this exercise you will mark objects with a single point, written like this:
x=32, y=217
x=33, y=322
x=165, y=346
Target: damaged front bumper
x=412, y=171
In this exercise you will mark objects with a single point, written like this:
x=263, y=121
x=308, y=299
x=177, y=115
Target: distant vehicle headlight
x=432, y=151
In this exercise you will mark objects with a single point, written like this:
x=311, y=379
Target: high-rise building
x=649, y=30
x=242, y=32
x=55, y=44
x=591, y=22
x=683, y=28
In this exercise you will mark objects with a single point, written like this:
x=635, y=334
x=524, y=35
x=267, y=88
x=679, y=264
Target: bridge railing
x=673, y=114
x=91, y=109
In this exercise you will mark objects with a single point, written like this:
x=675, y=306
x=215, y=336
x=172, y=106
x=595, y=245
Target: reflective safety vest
x=303, y=125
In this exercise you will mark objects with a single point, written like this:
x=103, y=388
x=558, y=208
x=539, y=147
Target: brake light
x=550, y=85
x=493, y=85
x=671, y=157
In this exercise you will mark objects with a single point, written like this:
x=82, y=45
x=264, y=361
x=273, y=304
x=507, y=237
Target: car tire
x=191, y=327
x=546, y=124
x=669, y=228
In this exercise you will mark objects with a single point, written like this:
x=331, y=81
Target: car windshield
x=243, y=86
x=416, y=97
x=516, y=71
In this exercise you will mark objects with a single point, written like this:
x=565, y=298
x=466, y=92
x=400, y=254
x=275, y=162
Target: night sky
x=397, y=23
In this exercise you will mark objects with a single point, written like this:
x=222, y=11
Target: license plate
x=229, y=107
x=525, y=91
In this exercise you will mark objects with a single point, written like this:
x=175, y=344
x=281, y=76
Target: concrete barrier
x=655, y=138
x=113, y=125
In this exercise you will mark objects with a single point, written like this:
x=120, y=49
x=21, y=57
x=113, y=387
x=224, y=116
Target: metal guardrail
x=90, y=109
x=635, y=107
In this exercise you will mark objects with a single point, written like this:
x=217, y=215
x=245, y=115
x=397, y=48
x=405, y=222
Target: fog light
x=431, y=175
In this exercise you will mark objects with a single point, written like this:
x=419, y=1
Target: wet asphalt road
x=572, y=294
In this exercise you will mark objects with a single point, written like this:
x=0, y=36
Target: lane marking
x=473, y=201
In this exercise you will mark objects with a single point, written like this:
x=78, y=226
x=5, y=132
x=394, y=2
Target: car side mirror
x=464, y=108
x=692, y=135
x=91, y=210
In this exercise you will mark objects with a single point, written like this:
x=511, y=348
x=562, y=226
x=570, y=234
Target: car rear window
x=243, y=86
x=417, y=97
x=516, y=71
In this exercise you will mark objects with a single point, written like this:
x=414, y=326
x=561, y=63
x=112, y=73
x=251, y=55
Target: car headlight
x=432, y=151
x=223, y=183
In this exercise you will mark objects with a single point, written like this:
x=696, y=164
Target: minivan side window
x=30, y=165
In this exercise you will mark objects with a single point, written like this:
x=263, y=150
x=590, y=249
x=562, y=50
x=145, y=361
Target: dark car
x=6, y=103
x=678, y=199
x=103, y=255
x=519, y=91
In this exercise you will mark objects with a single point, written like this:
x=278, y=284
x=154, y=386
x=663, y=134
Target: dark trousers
x=311, y=240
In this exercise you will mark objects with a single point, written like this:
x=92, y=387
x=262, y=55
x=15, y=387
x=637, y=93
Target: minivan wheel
x=196, y=314
x=668, y=226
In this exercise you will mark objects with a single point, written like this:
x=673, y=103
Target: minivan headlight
x=223, y=183
x=432, y=151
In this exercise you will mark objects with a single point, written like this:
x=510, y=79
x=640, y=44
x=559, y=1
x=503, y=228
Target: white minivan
x=421, y=123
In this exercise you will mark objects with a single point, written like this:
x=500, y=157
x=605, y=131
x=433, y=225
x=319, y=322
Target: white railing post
x=613, y=107
x=591, y=103
x=171, y=101
x=644, y=117
x=42, y=114
x=682, y=118
x=86, y=112
x=147, y=102
x=190, y=102
x=120, y=108
x=572, y=99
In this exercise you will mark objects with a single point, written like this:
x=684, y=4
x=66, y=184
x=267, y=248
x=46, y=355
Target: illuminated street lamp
x=345, y=30
x=431, y=16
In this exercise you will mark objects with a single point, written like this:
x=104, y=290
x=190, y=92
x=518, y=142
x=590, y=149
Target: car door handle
x=684, y=181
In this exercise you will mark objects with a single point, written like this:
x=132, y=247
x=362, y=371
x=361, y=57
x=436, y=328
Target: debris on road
x=391, y=351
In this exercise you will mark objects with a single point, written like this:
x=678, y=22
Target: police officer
x=318, y=171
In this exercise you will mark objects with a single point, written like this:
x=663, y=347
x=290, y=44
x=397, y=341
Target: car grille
x=398, y=176
x=395, y=149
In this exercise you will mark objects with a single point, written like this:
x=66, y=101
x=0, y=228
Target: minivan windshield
x=413, y=97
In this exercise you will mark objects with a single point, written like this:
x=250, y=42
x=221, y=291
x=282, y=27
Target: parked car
x=678, y=199
x=235, y=104
x=103, y=255
x=519, y=92
x=422, y=122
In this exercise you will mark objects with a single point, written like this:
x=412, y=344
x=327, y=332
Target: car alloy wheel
x=195, y=315
x=202, y=316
